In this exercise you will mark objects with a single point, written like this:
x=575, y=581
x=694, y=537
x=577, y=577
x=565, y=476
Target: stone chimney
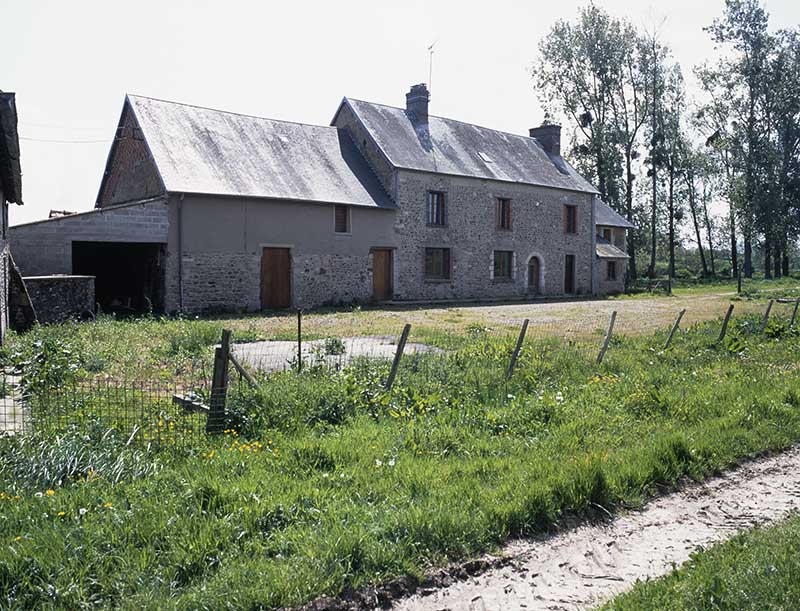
x=549, y=136
x=417, y=103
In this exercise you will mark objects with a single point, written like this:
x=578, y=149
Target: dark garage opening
x=129, y=277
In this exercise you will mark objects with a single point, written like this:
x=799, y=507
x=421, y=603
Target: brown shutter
x=341, y=219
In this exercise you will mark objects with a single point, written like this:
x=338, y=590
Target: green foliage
x=79, y=454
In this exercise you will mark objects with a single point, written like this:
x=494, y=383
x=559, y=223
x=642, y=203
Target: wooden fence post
x=674, y=328
x=517, y=348
x=608, y=337
x=299, y=340
x=401, y=345
x=724, y=329
x=766, y=317
x=794, y=312
x=219, y=385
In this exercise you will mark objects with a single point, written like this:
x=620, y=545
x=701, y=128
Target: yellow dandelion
x=108, y=505
x=50, y=492
x=61, y=514
x=17, y=538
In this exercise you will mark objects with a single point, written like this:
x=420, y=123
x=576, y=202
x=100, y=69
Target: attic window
x=341, y=219
x=485, y=157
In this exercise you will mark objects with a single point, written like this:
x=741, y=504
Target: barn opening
x=129, y=277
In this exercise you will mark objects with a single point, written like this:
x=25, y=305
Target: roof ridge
x=227, y=112
x=491, y=129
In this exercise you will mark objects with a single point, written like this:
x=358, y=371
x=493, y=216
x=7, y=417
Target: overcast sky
x=71, y=64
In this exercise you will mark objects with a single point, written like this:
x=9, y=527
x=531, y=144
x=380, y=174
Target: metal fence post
x=766, y=317
x=401, y=345
x=514, y=355
x=219, y=385
x=724, y=329
x=674, y=328
x=299, y=340
x=606, y=341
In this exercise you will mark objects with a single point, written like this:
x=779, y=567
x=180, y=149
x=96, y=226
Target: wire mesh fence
x=493, y=357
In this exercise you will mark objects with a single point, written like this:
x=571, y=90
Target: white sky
x=71, y=64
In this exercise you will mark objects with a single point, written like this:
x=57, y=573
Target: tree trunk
x=651, y=269
x=629, y=211
x=708, y=231
x=671, y=219
x=785, y=259
x=748, y=256
x=776, y=259
x=767, y=258
x=734, y=247
x=693, y=209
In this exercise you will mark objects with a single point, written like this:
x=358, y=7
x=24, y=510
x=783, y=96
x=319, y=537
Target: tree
x=589, y=72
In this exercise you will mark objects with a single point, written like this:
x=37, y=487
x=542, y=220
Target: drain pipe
x=180, y=252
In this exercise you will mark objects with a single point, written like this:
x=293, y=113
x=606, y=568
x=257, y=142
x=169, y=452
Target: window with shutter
x=570, y=219
x=436, y=208
x=503, y=213
x=503, y=261
x=342, y=219
x=437, y=263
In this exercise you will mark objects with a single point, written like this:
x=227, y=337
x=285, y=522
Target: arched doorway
x=534, y=276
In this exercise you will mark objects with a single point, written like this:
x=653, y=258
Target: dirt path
x=580, y=568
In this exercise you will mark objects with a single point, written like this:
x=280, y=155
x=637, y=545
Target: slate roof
x=606, y=250
x=10, y=172
x=452, y=147
x=605, y=215
x=200, y=150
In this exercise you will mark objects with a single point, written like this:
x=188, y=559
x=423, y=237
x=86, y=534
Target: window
x=342, y=219
x=503, y=261
x=570, y=219
x=436, y=212
x=611, y=270
x=437, y=263
x=607, y=234
x=503, y=213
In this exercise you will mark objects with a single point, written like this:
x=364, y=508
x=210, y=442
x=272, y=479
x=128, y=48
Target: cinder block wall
x=472, y=235
x=45, y=247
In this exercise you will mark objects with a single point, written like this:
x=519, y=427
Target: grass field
x=332, y=482
x=754, y=571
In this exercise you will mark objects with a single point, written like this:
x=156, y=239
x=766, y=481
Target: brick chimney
x=549, y=136
x=417, y=103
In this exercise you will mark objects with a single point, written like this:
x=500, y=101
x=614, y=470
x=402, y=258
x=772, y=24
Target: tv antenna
x=430, y=66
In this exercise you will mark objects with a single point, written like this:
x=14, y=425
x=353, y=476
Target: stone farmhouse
x=204, y=210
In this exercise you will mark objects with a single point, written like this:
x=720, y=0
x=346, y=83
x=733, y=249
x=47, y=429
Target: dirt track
x=581, y=568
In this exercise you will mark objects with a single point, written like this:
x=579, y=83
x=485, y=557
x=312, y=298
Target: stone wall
x=45, y=247
x=472, y=235
x=61, y=298
x=606, y=286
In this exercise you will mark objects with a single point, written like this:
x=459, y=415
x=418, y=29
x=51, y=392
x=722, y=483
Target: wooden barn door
x=382, y=274
x=276, y=279
x=533, y=276
x=569, y=274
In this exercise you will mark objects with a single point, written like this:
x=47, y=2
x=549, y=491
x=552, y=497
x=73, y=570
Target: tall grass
x=325, y=482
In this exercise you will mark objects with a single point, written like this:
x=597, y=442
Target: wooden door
x=276, y=279
x=533, y=276
x=382, y=274
x=569, y=274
